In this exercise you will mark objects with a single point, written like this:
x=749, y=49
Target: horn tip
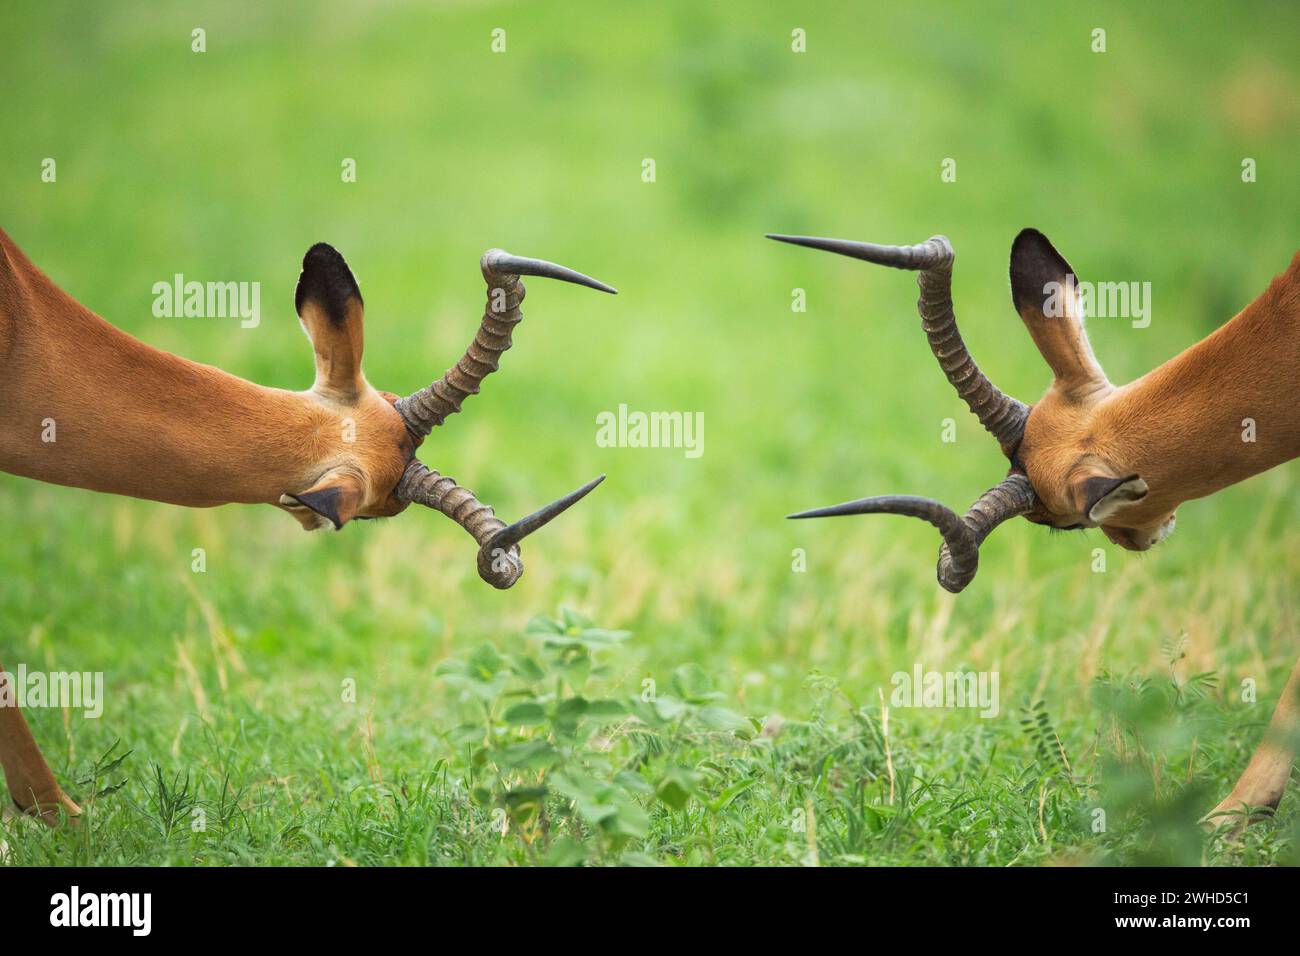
x=498, y=260
x=813, y=513
x=577, y=278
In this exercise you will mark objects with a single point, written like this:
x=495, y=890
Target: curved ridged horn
x=959, y=557
x=428, y=408
x=499, y=561
x=1002, y=415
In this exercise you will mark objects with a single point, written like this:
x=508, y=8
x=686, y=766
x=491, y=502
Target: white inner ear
x=1123, y=495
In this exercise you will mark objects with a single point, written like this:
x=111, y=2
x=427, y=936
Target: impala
x=1090, y=454
x=84, y=404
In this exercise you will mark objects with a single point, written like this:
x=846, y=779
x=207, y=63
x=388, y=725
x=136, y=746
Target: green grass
x=227, y=688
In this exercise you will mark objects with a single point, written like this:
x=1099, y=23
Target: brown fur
x=1174, y=435
x=1179, y=427
x=132, y=420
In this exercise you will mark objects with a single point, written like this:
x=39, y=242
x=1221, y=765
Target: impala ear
x=330, y=308
x=1045, y=291
x=1103, y=497
x=332, y=501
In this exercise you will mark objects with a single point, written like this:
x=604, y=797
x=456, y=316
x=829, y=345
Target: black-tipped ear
x=1044, y=290
x=329, y=304
x=1104, y=497
x=1034, y=264
x=336, y=498
x=327, y=281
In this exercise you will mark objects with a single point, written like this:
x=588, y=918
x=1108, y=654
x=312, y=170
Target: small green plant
x=1151, y=734
x=95, y=782
x=1037, y=725
x=571, y=770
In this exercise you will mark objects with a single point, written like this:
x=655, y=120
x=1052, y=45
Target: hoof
x=52, y=812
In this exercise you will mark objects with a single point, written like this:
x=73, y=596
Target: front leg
x=1266, y=776
x=31, y=782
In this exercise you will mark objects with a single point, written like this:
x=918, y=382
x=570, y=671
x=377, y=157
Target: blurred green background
x=226, y=165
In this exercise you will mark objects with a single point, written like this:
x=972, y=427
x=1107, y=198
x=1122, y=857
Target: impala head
x=1083, y=477
x=1067, y=471
x=364, y=441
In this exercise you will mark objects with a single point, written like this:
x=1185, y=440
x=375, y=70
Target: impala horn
x=425, y=410
x=960, y=554
x=1001, y=415
x=499, y=561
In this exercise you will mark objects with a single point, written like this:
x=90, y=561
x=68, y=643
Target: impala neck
x=87, y=405
x=1225, y=409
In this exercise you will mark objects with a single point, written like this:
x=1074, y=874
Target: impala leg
x=1266, y=776
x=31, y=782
